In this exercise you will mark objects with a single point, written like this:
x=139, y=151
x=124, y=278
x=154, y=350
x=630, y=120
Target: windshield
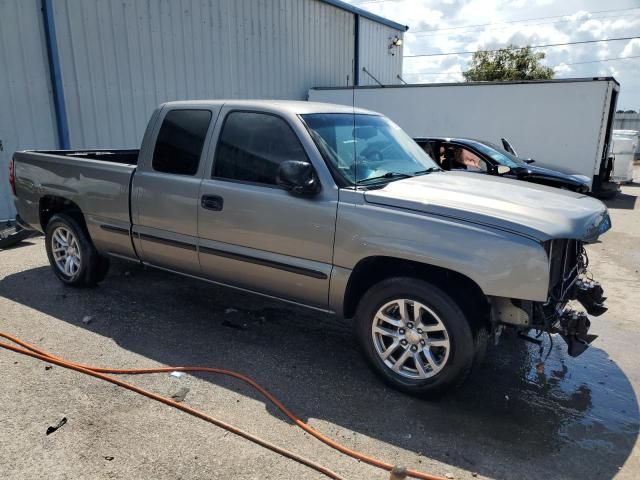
x=498, y=154
x=367, y=148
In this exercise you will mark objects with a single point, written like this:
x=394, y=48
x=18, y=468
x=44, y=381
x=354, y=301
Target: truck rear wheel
x=72, y=255
x=417, y=339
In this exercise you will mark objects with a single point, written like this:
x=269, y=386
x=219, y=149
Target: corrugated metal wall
x=375, y=54
x=627, y=121
x=26, y=110
x=121, y=58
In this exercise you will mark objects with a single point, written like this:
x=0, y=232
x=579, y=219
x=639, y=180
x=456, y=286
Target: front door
x=254, y=234
x=166, y=188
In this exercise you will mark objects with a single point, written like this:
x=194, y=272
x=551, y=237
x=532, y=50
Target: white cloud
x=573, y=20
x=563, y=70
x=632, y=48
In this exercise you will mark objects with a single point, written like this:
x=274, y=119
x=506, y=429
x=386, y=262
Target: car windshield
x=498, y=154
x=367, y=149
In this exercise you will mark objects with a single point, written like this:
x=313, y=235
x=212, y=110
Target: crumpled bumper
x=574, y=325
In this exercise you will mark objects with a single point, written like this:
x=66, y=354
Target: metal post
x=55, y=73
x=356, y=51
x=364, y=69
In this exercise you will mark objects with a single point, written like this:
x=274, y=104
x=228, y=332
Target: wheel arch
x=51, y=205
x=371, y=270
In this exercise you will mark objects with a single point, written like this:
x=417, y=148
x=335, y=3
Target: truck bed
x=126, y=157
x=98, y=182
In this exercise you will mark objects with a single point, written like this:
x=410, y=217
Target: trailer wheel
x=72, y=255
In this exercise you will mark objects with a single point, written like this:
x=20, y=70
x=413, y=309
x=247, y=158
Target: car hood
x=536, y=171
x=528, y=209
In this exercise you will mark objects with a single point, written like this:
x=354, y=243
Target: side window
x=252, y=146
x=454, y=157
x=428, y=148
x=467, y=160
x=180, y=141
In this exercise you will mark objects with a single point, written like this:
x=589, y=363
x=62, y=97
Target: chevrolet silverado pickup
x=329, y=207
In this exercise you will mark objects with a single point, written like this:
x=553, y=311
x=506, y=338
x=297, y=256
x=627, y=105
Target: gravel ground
x=578, y=418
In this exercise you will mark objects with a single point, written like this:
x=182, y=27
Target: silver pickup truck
x=329, y=207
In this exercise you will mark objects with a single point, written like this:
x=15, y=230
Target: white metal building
x=627, y=121
x=88, y=73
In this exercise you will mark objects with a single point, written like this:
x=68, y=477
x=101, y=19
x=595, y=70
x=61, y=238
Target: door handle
x=212, y=202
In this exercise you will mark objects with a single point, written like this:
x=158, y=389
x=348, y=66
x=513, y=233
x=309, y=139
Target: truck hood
x=527, y=209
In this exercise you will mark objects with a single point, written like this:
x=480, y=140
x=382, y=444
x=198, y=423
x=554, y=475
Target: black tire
x=93, y=266
x=464, y=344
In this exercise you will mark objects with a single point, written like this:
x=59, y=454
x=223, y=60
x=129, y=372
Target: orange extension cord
x=98, y=372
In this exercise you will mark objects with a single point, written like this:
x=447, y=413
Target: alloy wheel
x=66, y=251
x=411, y=339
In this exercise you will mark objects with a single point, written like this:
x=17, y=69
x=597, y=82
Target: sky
x=444, y=26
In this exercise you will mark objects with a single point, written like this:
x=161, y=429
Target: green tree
x=511, y=63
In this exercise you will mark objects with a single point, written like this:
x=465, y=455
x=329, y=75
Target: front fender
x=502, y=263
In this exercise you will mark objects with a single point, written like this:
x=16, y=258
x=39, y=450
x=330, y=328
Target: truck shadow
x=622, y=201
x=571, y=418
x=22, y=244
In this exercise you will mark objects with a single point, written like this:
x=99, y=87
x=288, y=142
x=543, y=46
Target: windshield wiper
x=388, y=175
x=428, y=170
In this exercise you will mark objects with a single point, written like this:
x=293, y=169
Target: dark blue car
x=484, y=157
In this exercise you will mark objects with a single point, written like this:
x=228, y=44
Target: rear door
x=254, y=234
x=166, y=187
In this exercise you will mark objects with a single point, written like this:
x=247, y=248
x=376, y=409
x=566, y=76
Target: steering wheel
x=374, y=156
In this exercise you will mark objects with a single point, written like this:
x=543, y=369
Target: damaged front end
x=568, y=281
x=568, y=262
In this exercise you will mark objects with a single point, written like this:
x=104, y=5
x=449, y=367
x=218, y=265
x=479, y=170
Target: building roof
x=363, y=13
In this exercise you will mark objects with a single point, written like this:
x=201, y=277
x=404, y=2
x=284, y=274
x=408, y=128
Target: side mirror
x=502, y=169
x=298, y=177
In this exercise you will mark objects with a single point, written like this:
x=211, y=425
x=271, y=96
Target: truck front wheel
x=72, y=255
x=415, y=336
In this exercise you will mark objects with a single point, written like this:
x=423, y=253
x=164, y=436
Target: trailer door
x=604, y=168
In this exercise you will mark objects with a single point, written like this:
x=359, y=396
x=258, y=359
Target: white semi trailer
x=562, y=124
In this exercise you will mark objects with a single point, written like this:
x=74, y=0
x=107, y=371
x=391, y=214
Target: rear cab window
x=251, y=147
x=180, y=141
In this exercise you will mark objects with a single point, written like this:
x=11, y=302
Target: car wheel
x=72, y=255
x=417, y=339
